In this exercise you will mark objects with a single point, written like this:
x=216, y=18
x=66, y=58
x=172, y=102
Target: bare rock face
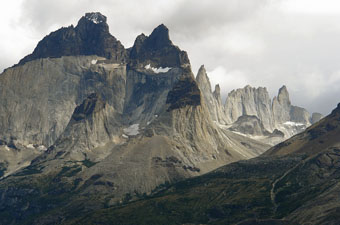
x=38, y=98
x=282, y=106
x=93, y=123
x=250, y=101
x=212, y=99
x=251, y=125
x=316, y=117
x=300, y=115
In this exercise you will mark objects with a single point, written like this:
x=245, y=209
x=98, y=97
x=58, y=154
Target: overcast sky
x=262, y=43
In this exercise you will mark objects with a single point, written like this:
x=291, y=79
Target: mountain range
x=92, y=132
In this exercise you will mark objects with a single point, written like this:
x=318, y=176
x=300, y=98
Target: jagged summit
x=217, y=92
x=91, y=36
x=159, y=38
x=157, y=50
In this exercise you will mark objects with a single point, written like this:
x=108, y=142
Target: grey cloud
x=247, y=41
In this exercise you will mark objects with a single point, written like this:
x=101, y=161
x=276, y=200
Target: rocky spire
x=283, y=96
x=159, y=38
x=217, y=93
x=212, y=100
x=203, y=80
x=281, y=106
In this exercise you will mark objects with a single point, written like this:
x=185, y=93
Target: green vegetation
x=238, y=192
x=30, y=170
x=88, y=163
x=3, y=168
x=69, y=171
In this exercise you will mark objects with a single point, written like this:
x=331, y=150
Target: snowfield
x=157, y=70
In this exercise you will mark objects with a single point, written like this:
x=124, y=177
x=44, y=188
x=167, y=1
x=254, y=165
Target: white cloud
x=312, y=6
x=228, y=79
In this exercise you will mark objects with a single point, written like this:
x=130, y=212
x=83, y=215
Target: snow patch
x=293, y=124
x=94, y=61
x=42, y=148
x=30, y=146
x=255, y=137
x=157, y=70
x=132, y=130
x=94, y=17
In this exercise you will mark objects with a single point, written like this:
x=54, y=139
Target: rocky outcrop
x=253, y=126
x=250, y=101
x=93, y=124
x=90, y=37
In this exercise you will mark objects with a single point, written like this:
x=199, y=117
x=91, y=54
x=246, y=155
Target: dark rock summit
x=157, y=50
x=90, y=37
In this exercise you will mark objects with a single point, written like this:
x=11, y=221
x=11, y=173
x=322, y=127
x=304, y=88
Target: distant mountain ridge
x=277, y=119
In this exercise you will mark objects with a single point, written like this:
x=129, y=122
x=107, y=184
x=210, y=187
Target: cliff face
x=38, y=98
x=250, y=101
